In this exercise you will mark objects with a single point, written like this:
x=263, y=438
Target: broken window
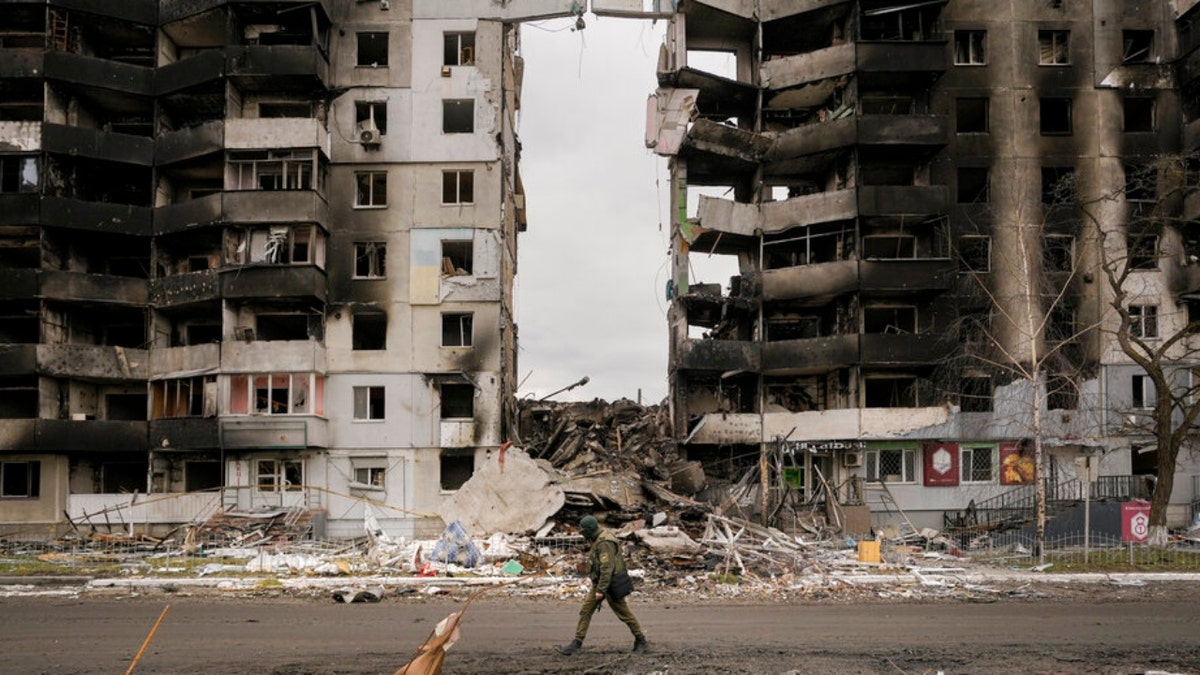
x=892, y=320
x=458, y=49
x=458, y=116
x=1058, y=184
x=458, y=401
x=201, y=475
x=458, y=187
x=456, y=330
x=1142, y=251
x=456, y=467
x=978, y=463
x=975, y=394
x=276, y=394
x=1053, y=47
x=20, y=480
x=281, y=326
x=286, y=245
x=123, y=477
x=975, y=254
x=371, y=188
x=370, y=477
x=792, y=328
x=890, y=392
x=1139, y=114
x=18, y=174
x=1059, y=252
x=889, y=247
x=1061, y=393
x=1060, y=324
x=1141, y=183
x=371, y=115
x=272, y=170
x=972, y=185
x=906, y=21
x=370, y=260
x=372, y=49
x=969, y=47
x=1137, y=46
x=279, y=475
x=796, y=396
x=368, y=403
x=369, y=331
x=184, y=397
x=457, y=258
x=1055, y=116
x=891, y=466
x=971, y=115
x=1143, y=391
x=1143, y=321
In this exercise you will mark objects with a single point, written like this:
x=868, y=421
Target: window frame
x=32, y=470
x=448, y=110
x=369, y=180
x=1051, y=38
x=363, y=400
x=965, y=40
x=982, y=196
x=374, y=255
x=458, y=49
x=358, y=48
x=967, y=465
x=466, y=329
x=1142, y=392
x=1143, y=322
x=454, y=185
x=1138, y=256
x=277, y=475
x=908, y=465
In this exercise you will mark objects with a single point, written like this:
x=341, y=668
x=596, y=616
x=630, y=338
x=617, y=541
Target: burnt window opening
x=457, y=258
x=18, y=174
x=371, y=189
x=369, y=331
x=458, y=116
x=972, y=185
x=888, y=175
x=370, y=260
x=458, y=49
x=1142, y=390
x=808, y=245
x=1058, y=185
x=202, y=474
x=970, y=47
x=456, y=468
x=458, y=187
x=975, y=394
x=372, y=49
x=371, y=114
x=1141, y=251
x=973, y=328
x=285, y=109
x=1137, y=46
x=796, y=396
x=456, y=330
x=1059, y=252
x=890, y=392
x=971, y=115
x=1139, y=114
x=1061, y=393
x=18, y=397
x=458, y=401
x=281, y=327
x=890, y=320
x=889, y=247
x=1055, y=116
x=369, y=403
x=1060, y=324
x=888, y=105
x=123, y=477
x=900, y=22
x=975, y=254
x=793, y=328
x=125, y=407
x=1143, y=321
x=1141, y=183
x=20, y=480
x=184, y=397
x=279, y=475
x=199, y=334
x=1054, y=47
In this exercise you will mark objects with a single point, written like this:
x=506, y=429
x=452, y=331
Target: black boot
x=640, y=645
x=570, y=649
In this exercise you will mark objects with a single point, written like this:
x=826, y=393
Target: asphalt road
x=514, y=635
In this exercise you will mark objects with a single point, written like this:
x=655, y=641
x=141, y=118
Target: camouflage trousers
x=619, y=607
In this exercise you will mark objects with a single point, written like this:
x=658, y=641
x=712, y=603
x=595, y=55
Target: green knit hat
x=590, y=526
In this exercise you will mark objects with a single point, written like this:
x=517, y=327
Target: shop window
x=1055, y=117
x=458, y=187
x=456, y=468
x=458, y=49
x=970, y=47
x=971, y=115
x=370, y=260
x=891, y=466
x=20, y=480
x=279, y=475
x=458, y=116
x=978, y=464
x=1053, y=47
x=369, y=403
x=456, y=330
x=975, y=254
x=371, y=189
x=458, y=401
x=972, y=185
x=372, y=49
x=369, y=331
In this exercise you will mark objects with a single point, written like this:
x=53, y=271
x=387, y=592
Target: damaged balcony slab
x=721, y=139
x=813, y=284
x=721, y=97
x=811, y=355
x=822, y=64
x=902, y=277
x=822, y=207
x=904, y=350
x=719, y=355
x=93, y=362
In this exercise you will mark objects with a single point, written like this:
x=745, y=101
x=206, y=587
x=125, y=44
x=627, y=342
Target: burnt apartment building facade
x=889, y=178
x=255, y=255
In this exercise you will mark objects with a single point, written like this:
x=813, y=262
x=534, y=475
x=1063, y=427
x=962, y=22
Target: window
x=280, y=475
x=1058, y=184
x=368, y=113
x=913, y=21
x=1143, y=321
x=972, y=185
x=184, y=397
x=1139, y=114
x=1055, y=116
x=370, y=260
x=20, y=480
x=1061, y=393
x=366, y=477
x=976, y=394
x=970, y=47
x=202, y=475
x=279, y=245
x=1138, y=46
x=372, y=188
x=458, y=49
x=1143, y=391
x=1059, y=252
x=458, y=401
x=456, y=468
x=458, y=187
x=276, y=394
x=1053, y=47
x=978, y=464
x=368, y=403
x=456, y=330
x=372, y=49
x=975, y=254
x=890, y=392
x=891, y=466
x=1142, y=250
x=457, y=257
x=458, y=116
x=894, y=320
x=1060, y=324
x=272, y=170
x=369, y=331
x=18, y=174
x=971, y=115
x=889, y=247
x=1141, y=183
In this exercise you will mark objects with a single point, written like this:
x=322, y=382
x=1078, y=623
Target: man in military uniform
x=606, y=561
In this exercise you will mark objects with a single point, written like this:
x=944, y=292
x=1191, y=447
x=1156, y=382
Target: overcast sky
x=592, y=267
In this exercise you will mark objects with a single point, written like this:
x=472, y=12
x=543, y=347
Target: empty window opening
x=808, y=245
x=370, y=260
x=284, y=245
x=1059, y=252
x=19, y=396
x=369, y=331
x=970, y=47
x=279, y=475
x=458, y=49
x=888, y=175
x=281, y=327
x=202, y=333
x=1142, y=388
x=18, y=174
x=978, y=464
x=975, y=254
x=458, y=401
x=458, y=116
x=20, y=480
x=1143, y=321
x=184, y=397
x=888, y=105
x=1141, y=183
x=1055, y=116
x=456, y=330
x=456, y=468
x=123, y=477
x=1058, y=185
x=796, y=396
x=894, y=320
x=976, y=394
x=125, y=407
x=1142, y=251
x=1061, y=393
x=457, y=258
x=891, y=466
x=371, y=188
x=971, y=115
x=1060, y=324
x=889, y=247
x=372, y=49
x=1137, y=45
x=793, y=328
x=458, y=187
x=368, y=403
x=202, y=475
x=972, y=185
x=1139, y=114
x=371, y=115
x=1053, y=47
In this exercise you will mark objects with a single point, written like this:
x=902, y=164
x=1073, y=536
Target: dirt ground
x=1077, y=629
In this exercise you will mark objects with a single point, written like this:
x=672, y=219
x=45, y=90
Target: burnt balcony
x=189, y=215
x=91, y=436
x=94, y=74
x=98, y=288
x=144, y=12
x=174, y=10
x=243, y=207
x=93, y=362
x=277, y=67
x=822, y=64
x=21, y=209
x=207, y=66
x=272, y=356
x=97, y=144
x=19, y=284
x=920, y=201
x=274, y=432
x=903, y=130
x=817, y=284
x=22, y=62
x=904, y=349
x=822, y=207
x=720, y=97
x=185, y=289
x=907, y=276
x=718, y=355
x=274, y=282
x=715, y=151
x=901, y=63
x=810, y=355
x=18, y=435
x=95, y=216
x=185, y=433
x=174, y=362
x=189, y=143
x=18, y=359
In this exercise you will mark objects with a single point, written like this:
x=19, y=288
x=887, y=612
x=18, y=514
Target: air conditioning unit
x=368, y=133
x=852, y=459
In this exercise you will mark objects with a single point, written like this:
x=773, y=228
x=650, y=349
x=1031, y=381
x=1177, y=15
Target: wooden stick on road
x=148, y=639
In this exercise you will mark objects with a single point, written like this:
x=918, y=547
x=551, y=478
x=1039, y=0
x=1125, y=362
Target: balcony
x=22, y=62
x=144, y=509
x=207, y=66
x=810, y=356
x=279, y=432
x=885, y=349
x=718, y=355
x=277, y=67
x=175, y=362
x=269, y=356
x=271, y=133
x=93, y=362
x=268, y=206
x=95, y=216
x=91, y=436
x=273, y=282
x=903, y=130
x=18, y=435
x=190, y=288
x=142, y=12
x=822, y=207
x=815, y=66
x=97, y=144
x=817, y=283
x=901, y=63
x=21, y=209
x=19, y=284
x=185, y=433
x=174, y=10
x=93, y=74
x=189, y=143
x=918, y=201
x=99, y=288
x=904, y=277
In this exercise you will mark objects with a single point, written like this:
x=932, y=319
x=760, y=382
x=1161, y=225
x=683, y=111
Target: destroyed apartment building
x=888, y=178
